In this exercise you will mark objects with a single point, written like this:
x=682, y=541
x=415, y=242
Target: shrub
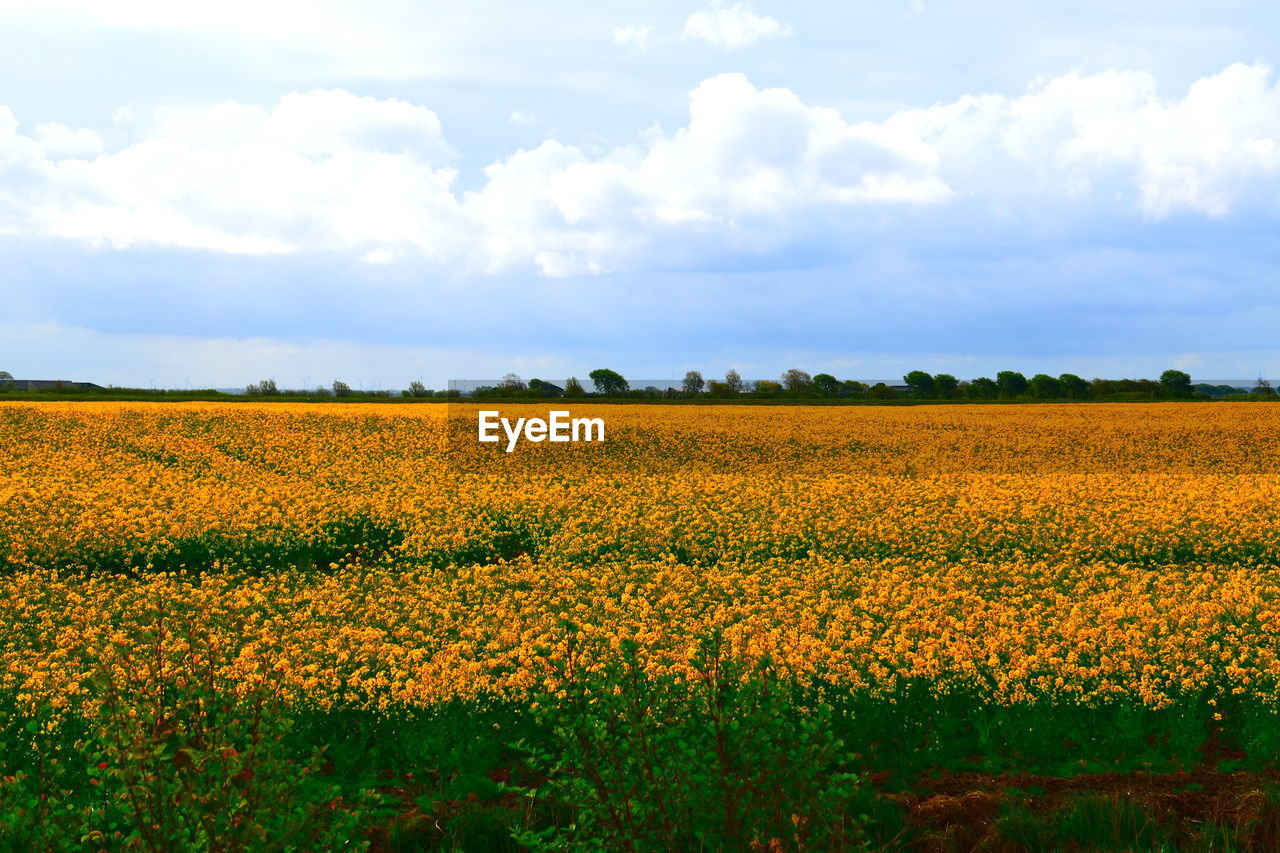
x=169, y=754
x=723, y=760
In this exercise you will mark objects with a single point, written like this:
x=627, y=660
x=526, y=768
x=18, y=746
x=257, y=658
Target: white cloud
x=379, y=256
x=751, y=170
x=634, y=36
x=522, y=117
x=60, y=141
x=319, y=170
x=732, y=26
x=1112, y=138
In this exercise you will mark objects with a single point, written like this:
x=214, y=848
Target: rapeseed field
x=989, y=589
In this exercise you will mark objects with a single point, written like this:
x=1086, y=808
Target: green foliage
x=539, y=388
x=263, y=550
x=1075, y=388
x=1045, y=387
x=946, y=384
x=1011, y=384
x=1089, y=822
x=1109, y=823
x=826, y=385
x=796, y=381
x=921, y=384
x=852, y=389
x=1127, y=390
x=693, y=383
x=608, y=382
x=982, y=388
x=726, y=760
x=496, y=535
x=170, y=755
x=1176, y=384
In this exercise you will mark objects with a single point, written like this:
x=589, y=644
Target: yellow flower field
x=378, y=556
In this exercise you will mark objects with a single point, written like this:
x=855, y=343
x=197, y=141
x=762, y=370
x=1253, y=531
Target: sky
x=206, y=195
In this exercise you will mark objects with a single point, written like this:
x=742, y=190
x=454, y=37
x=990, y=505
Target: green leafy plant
x=168, y=753
x=723, y=760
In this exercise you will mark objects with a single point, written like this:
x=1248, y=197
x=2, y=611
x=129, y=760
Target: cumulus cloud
x=732, y=26
x=750, y=170
x=1109, y=137
x=59, y=140
x=320, y=169
x=634, y=36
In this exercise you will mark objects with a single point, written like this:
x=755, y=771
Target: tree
x=693, y=382
x=983, y=388
x=608, y=382
x=733, y=381
x=511, y=382
x=716, y=388
x=417, y=389
x=880, y=391
x=341, y=389
x=796, y=380
x=920, y=383
x=766, y=388
x=946, y=384
x=826, y=385
x=1045, y=387
x=1176, y=384
x=266, y=386
x=540, y=388
x=6, y=376
x=1011, y=383
x=850, y=388
x=1074, y=387
x=573, y=388
x=1126, y=389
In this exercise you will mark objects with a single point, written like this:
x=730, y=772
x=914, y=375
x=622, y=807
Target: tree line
x=793, y=384
x=1008, y=385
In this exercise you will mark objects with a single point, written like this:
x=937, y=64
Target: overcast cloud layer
x=386, y=192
